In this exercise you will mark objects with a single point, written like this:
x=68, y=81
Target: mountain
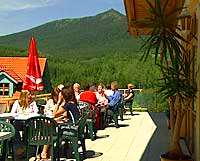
x=100, y=34
x=87, y=50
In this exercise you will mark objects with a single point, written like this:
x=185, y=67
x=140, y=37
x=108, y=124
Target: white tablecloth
x=19, y=116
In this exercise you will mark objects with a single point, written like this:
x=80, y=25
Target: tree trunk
x=172, y=111
x=175, y=150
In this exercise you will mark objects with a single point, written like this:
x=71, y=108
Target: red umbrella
x=33, y=79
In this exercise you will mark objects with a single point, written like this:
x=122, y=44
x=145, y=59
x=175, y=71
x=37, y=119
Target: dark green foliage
x=124, y=68
x=150, y=99
x=167, y=45
x=11, y=51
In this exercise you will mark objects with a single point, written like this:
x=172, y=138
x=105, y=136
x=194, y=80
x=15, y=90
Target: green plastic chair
x=90, y=122
x=74, y=133
x=121, y=110
x=130, y=106
x=41, y=131
x=114, y=114
x=4, y=144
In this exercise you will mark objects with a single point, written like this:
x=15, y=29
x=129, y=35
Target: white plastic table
x=8, y=116
x=5, y=135
x=15, y=116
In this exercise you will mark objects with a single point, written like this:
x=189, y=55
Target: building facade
x=12, y=72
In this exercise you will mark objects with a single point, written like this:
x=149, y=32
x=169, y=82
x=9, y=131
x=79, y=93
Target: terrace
x=140, y=135
x=137, y=139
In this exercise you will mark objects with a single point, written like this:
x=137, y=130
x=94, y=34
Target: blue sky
x=19, y=15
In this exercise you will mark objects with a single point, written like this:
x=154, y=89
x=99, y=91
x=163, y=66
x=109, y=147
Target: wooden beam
x=197, y=139
x=134, y=10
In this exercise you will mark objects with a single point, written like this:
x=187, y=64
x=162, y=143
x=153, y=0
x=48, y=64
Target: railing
x=6, y=103
x=43, y=96
x=123, y=91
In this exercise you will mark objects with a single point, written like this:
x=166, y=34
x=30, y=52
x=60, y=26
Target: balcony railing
x=7, y=102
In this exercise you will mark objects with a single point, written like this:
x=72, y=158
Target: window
x=4, y=89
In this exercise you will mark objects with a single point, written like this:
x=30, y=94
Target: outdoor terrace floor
x=142, y=137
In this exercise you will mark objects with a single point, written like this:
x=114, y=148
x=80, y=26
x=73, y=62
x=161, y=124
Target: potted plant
x=170, y=50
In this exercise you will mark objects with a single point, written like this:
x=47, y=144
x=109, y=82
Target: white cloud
x=15, y=5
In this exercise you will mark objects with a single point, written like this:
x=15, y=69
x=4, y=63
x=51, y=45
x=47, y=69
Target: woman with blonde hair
x=25, y=104
x=77, y=91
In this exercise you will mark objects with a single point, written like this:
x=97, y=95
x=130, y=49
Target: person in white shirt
x=25, y=104
x=54, y=103
x=108, y=92
x=77, y=91
x=101, y=97
x=102, y=104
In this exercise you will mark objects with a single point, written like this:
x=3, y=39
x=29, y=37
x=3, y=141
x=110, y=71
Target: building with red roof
x=13, y=70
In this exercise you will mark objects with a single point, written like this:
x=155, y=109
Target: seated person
x=77, y=91
x=101, y=97
x=54, y=102
x=102, y=104
x=61, y=101
x=114, y=101
x=25, y=104
x=115, y=98
x=130, y=94
x=89, y=96
x=71, y=111
x=128, y=98
x=108, y=92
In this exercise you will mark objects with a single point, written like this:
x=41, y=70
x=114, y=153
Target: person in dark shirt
x=128, y=99
x=73, y=112
x=69, y=111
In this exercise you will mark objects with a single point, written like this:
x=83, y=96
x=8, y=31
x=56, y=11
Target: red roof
x=16, y=67
x=11, y=73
